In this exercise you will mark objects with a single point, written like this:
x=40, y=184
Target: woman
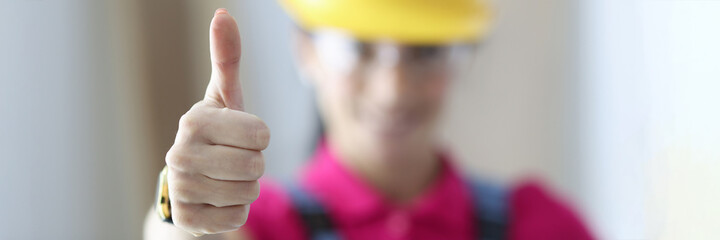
x=381, y=71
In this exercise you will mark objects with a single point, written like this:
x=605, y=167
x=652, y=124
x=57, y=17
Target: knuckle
x=237, y=217
x=252, y=192
x=184, y=216
x=261, y=133
x=181, y=189
x=184, y=194
x=229, y=63
x=192, y=123
x=176, y=158
x=235, y=194
x=242, y=193
x=256, y=166
x=199, y=104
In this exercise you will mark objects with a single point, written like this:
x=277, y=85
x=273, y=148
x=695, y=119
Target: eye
x=427, y=52
x=363, y=50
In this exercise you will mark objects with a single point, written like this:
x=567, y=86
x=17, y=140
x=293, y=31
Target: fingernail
x=220, y=11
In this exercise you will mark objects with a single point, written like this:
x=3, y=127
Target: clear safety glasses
x=345, y=55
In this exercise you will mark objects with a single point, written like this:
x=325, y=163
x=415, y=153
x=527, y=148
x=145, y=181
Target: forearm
x=156, y=229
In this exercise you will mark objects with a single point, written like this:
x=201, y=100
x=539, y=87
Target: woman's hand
x=216, y=160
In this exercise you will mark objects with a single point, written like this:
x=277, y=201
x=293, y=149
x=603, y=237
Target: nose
x=389, y=83
x=388, y=55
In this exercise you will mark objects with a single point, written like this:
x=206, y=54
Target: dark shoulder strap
x=491, y=210
x=314, y=217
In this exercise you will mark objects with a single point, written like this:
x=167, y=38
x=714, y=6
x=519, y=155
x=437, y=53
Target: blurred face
x=382, y=97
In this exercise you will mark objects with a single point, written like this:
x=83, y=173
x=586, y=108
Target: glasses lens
x=343, y=54
x=336, y=51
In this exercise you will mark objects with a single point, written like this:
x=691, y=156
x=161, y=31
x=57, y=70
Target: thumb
x=224, y=88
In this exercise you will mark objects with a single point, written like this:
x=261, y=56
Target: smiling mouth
x=392, y=126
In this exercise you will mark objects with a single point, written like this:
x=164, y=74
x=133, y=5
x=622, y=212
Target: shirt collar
x=352, y=200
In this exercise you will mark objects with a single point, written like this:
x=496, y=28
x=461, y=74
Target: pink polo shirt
x=444, y=211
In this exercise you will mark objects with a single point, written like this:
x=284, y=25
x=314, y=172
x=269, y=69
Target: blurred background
x=613, y=103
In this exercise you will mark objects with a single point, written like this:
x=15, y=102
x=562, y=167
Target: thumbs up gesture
x=216, y=160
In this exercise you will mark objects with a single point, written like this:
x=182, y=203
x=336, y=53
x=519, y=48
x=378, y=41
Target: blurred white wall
x=615, y=108
x=68, y=156
x=651, y=108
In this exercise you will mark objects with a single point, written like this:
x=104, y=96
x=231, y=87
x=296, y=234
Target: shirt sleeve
x=272, y=216
x=537, y=214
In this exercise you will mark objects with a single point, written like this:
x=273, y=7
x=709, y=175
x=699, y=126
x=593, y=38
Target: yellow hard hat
x=404, y=21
